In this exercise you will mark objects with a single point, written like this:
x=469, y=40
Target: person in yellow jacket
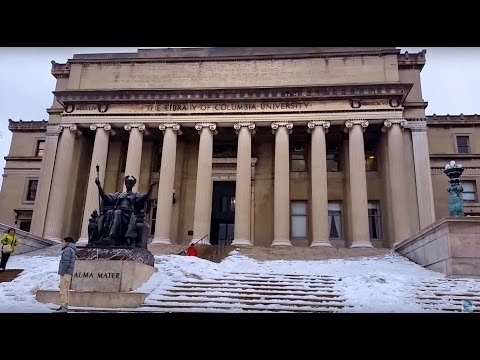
x=9, y=241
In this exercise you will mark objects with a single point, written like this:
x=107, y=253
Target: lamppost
x=454, y=171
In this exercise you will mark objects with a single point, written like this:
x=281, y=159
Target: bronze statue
x=121, y=221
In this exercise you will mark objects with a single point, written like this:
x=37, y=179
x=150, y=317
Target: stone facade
x=290, y=146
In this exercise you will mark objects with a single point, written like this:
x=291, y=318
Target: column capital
x=350, y=123
x=314, y=123
x=276, y=124
x=173, y=125
x=104, y=126
x=248, y=124
x=208, y=125
x=417, y=125
x=72, y=127
x=390, y=122
x=139, y=126
x=53, y=130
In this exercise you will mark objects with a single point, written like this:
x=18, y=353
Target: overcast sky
x=449, y=81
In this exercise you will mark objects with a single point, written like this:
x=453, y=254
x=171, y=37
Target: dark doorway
x=223, y=213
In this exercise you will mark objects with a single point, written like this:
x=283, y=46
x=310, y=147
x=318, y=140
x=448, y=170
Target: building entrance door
x=223, y=213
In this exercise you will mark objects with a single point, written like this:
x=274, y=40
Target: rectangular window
x=374, y=219
x=370, y=146
x=297, y=159
x=40, y=148
x=335, y=226
x=299, y=219
x=25, y=225
x=463, y=144
x=32, y=190
x=370, y=161
x=123, y=157
x=469, y=190
x=333, y=155
x=153, y=216
x=156, y=158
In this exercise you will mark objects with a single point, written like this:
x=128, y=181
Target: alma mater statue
x=121, y=219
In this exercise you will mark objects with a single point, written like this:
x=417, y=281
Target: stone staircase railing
x=28, y=241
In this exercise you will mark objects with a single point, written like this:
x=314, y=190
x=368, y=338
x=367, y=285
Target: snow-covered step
x=265, y=292
x=231, y=300
x=245, y=306
x=448, y=295
x=250, y=294
x=260, y=282
x=257, y=287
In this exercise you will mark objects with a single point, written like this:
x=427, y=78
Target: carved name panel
x=230, y=107
x=227, y=74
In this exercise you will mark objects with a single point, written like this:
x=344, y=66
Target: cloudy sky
x=26, y=85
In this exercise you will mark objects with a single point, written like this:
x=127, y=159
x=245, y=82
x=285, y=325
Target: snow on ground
x=373, y=284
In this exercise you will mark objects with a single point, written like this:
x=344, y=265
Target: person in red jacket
x=191, y=250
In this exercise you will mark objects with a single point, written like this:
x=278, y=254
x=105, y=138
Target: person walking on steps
x=65, y=270
x=9, y=241
x=191, y=250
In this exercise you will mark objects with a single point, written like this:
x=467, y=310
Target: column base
x=160, y=241
x=281, y=243
x=321, y=244
x=241, y=242
x=82, y=242
x=58, y=240
x=361, y=245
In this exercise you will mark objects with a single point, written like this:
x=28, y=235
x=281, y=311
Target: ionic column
x=243, y=186
x=423, y=177
x=99, y=156
x=166, y=183
x=203, y=192
x=320, y=235
x=396, y=169
x=45, y=179
x=60, y=182
x=134, y=153
x=358, y=183
x=281, y=187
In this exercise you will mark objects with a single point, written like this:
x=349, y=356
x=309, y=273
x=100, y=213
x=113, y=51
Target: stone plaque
x=225, y=74
x=109, y=275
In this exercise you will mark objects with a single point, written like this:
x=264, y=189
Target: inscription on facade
x=96, y=275
x=227, y=74
x=226, y=107
x=234, y=107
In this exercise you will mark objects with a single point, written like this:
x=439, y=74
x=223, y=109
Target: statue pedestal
x=106, y=277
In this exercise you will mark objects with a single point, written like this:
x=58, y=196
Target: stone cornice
x=27, y=126
x=417, y=104
x=416, y=60
x=455, y=120
x=23, y=158
x=395, y=92
x=60, y=71
x=231, y=54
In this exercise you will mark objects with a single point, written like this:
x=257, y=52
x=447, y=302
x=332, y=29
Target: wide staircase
x=448, y=295
x=250, y=292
